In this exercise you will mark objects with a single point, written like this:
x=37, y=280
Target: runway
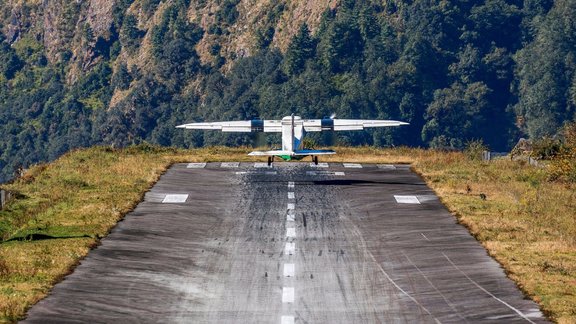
x=294, y=243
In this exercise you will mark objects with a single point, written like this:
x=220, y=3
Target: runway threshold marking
x=291, y=185
x=352, y=165
x=386, y=167
x=319, y=165
x=287, y=320
x=291, y=232
x=196, y=165
x=229, y=164
x=290, y=206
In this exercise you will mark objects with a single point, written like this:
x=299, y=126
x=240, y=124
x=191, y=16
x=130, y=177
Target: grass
x=526, y=222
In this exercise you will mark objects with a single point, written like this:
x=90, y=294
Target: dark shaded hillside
x=120, y=72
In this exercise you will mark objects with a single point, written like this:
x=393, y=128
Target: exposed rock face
x=61, y=26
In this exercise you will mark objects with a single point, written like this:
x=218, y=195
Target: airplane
x=293, y=129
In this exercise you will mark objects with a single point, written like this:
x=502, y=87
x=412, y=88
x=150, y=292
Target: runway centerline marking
x=290, y=195
x=291, y=206
x=288, y=294
x=352, y=165
x=291, y=185
x=291, y=232
x=290, y=217
x=287, y=320
x=289, y=248
x=319, y=165
x=289, y=270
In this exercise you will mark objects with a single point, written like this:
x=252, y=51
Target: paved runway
x=243, y=243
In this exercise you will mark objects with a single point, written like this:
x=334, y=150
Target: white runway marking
x=352, y=165
x=291, y=206
x=287, y=320
x=290, y=195
x=270, y=173
x=486, y=291
x=290, y=248
x=289, y=270
x=196, y=165
x=290, y=232
x=426, y=198
x=386, y=167
x=319, y=165
x=291, y=185
x=261, y=165
x=290, y=217
x=315, y=173
x=174, y=199
x=230, y=164
x=406, y=199
x=288, y=294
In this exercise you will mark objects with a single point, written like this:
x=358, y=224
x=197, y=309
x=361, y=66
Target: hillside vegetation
x=525, y=220
x=117, y=72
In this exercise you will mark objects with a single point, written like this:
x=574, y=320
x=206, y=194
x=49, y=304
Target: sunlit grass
x=525, y=221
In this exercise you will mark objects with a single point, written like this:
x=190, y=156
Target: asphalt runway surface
x=295, y=243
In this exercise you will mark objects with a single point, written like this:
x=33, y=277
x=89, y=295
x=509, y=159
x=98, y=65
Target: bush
x=474, y=149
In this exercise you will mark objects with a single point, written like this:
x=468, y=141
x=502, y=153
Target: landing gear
x=270, y=159
x=315, y=160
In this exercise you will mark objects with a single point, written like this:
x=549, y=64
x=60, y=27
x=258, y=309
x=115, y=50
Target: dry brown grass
x=526, y=222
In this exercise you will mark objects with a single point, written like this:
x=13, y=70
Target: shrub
x=474, y=149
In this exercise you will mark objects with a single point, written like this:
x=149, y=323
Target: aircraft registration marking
x=352, y=165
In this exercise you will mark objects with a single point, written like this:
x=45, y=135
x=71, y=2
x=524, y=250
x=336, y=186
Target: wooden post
x=2, y=199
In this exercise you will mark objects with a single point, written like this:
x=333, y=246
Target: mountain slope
x=79, y=73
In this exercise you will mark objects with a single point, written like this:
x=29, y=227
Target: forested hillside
x=116, y=72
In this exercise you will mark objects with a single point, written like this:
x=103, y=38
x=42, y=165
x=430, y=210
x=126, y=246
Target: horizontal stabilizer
x=314, y=152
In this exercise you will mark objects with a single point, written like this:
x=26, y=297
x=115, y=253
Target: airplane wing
x=318, y=125
x=255, y=125
x=297, y=152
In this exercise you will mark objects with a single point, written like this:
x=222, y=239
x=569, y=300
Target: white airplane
x=293, y=129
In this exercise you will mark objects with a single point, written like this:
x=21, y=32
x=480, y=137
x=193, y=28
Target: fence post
x=2, y=199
